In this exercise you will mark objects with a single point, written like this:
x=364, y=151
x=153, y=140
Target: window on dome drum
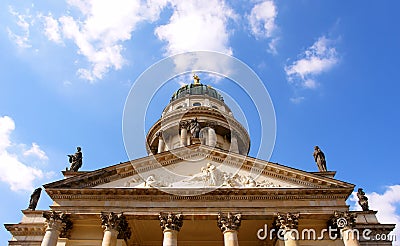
x=197, y=104
x=214, y=107
x=180, y=106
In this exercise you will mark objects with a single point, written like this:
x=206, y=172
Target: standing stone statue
x=34, y=198
x=75, y=160
x=319, y=158
x=194, y=128
x=362, y=200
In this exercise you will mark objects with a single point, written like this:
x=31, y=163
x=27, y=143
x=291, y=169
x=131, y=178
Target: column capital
x=117, y=222
x=287, y=221
x=170, y=221
x=229, y=221
x=183, y=124
x=58, y=221
x=343, y=220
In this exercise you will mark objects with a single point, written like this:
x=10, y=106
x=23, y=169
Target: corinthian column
x=229, y=225
x=345, y=222
x=288, y=223
x=170, y=224
x=56, y=223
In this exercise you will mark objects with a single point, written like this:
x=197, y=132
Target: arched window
x=180, y=106
x=196, y=104
x=214, y=107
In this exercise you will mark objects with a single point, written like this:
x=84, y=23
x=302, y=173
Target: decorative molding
x=170, y=221
x=229, y=221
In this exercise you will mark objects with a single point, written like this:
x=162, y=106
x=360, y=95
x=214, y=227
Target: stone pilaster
x=170, y=224
x=229, y=225
x=56, y=223
x=115, y=226
x=288, y=224
x=345, y=222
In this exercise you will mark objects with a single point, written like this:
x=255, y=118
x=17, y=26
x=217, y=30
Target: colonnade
x=116, y=227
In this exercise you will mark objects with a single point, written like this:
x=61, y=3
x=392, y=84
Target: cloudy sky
x=330, y=68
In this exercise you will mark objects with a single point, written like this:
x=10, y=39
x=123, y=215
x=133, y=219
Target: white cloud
x=196, y=25
x=101, y=30
x=262, y=19
x=387, y=205
x=262, y=23
x=36, y=151
x=21, y=37
x=318, y=58
x=18, y=175
x=52, y=29
x=297, y=100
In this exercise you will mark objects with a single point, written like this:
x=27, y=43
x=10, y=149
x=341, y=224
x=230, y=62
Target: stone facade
x=200, y=189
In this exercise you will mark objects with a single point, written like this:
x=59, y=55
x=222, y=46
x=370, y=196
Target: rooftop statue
x=75, y=160
x=362, y=200
x=34, y=198
x=196, y=79
x=319, y=158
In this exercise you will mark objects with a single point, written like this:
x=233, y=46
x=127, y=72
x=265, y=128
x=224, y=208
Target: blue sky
x=330, y=68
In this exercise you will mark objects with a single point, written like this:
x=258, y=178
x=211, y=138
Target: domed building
x=198, y=186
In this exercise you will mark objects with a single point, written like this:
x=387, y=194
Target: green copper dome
x=196, y=89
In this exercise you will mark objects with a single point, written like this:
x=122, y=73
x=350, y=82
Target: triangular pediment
x=198, y=167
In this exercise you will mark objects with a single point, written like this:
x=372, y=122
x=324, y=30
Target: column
x=345, y=222
x=212, y=137
x=288, y=224
x=115, y=227
x=55, y=225
x=229, y=225
x=170, y=224
x=234, y=142
x=183, y=129
x=160, y=142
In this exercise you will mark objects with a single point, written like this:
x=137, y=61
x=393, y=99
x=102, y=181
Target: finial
x=196, y=79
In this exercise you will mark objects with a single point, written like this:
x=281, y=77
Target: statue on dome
x=196, y=79
x=194, y=128
x=75, y=160
x=319, y=158
x=362, y=200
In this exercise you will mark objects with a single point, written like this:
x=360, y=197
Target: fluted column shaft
x=212, y=137
x=183, y=136
x=234, y=143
